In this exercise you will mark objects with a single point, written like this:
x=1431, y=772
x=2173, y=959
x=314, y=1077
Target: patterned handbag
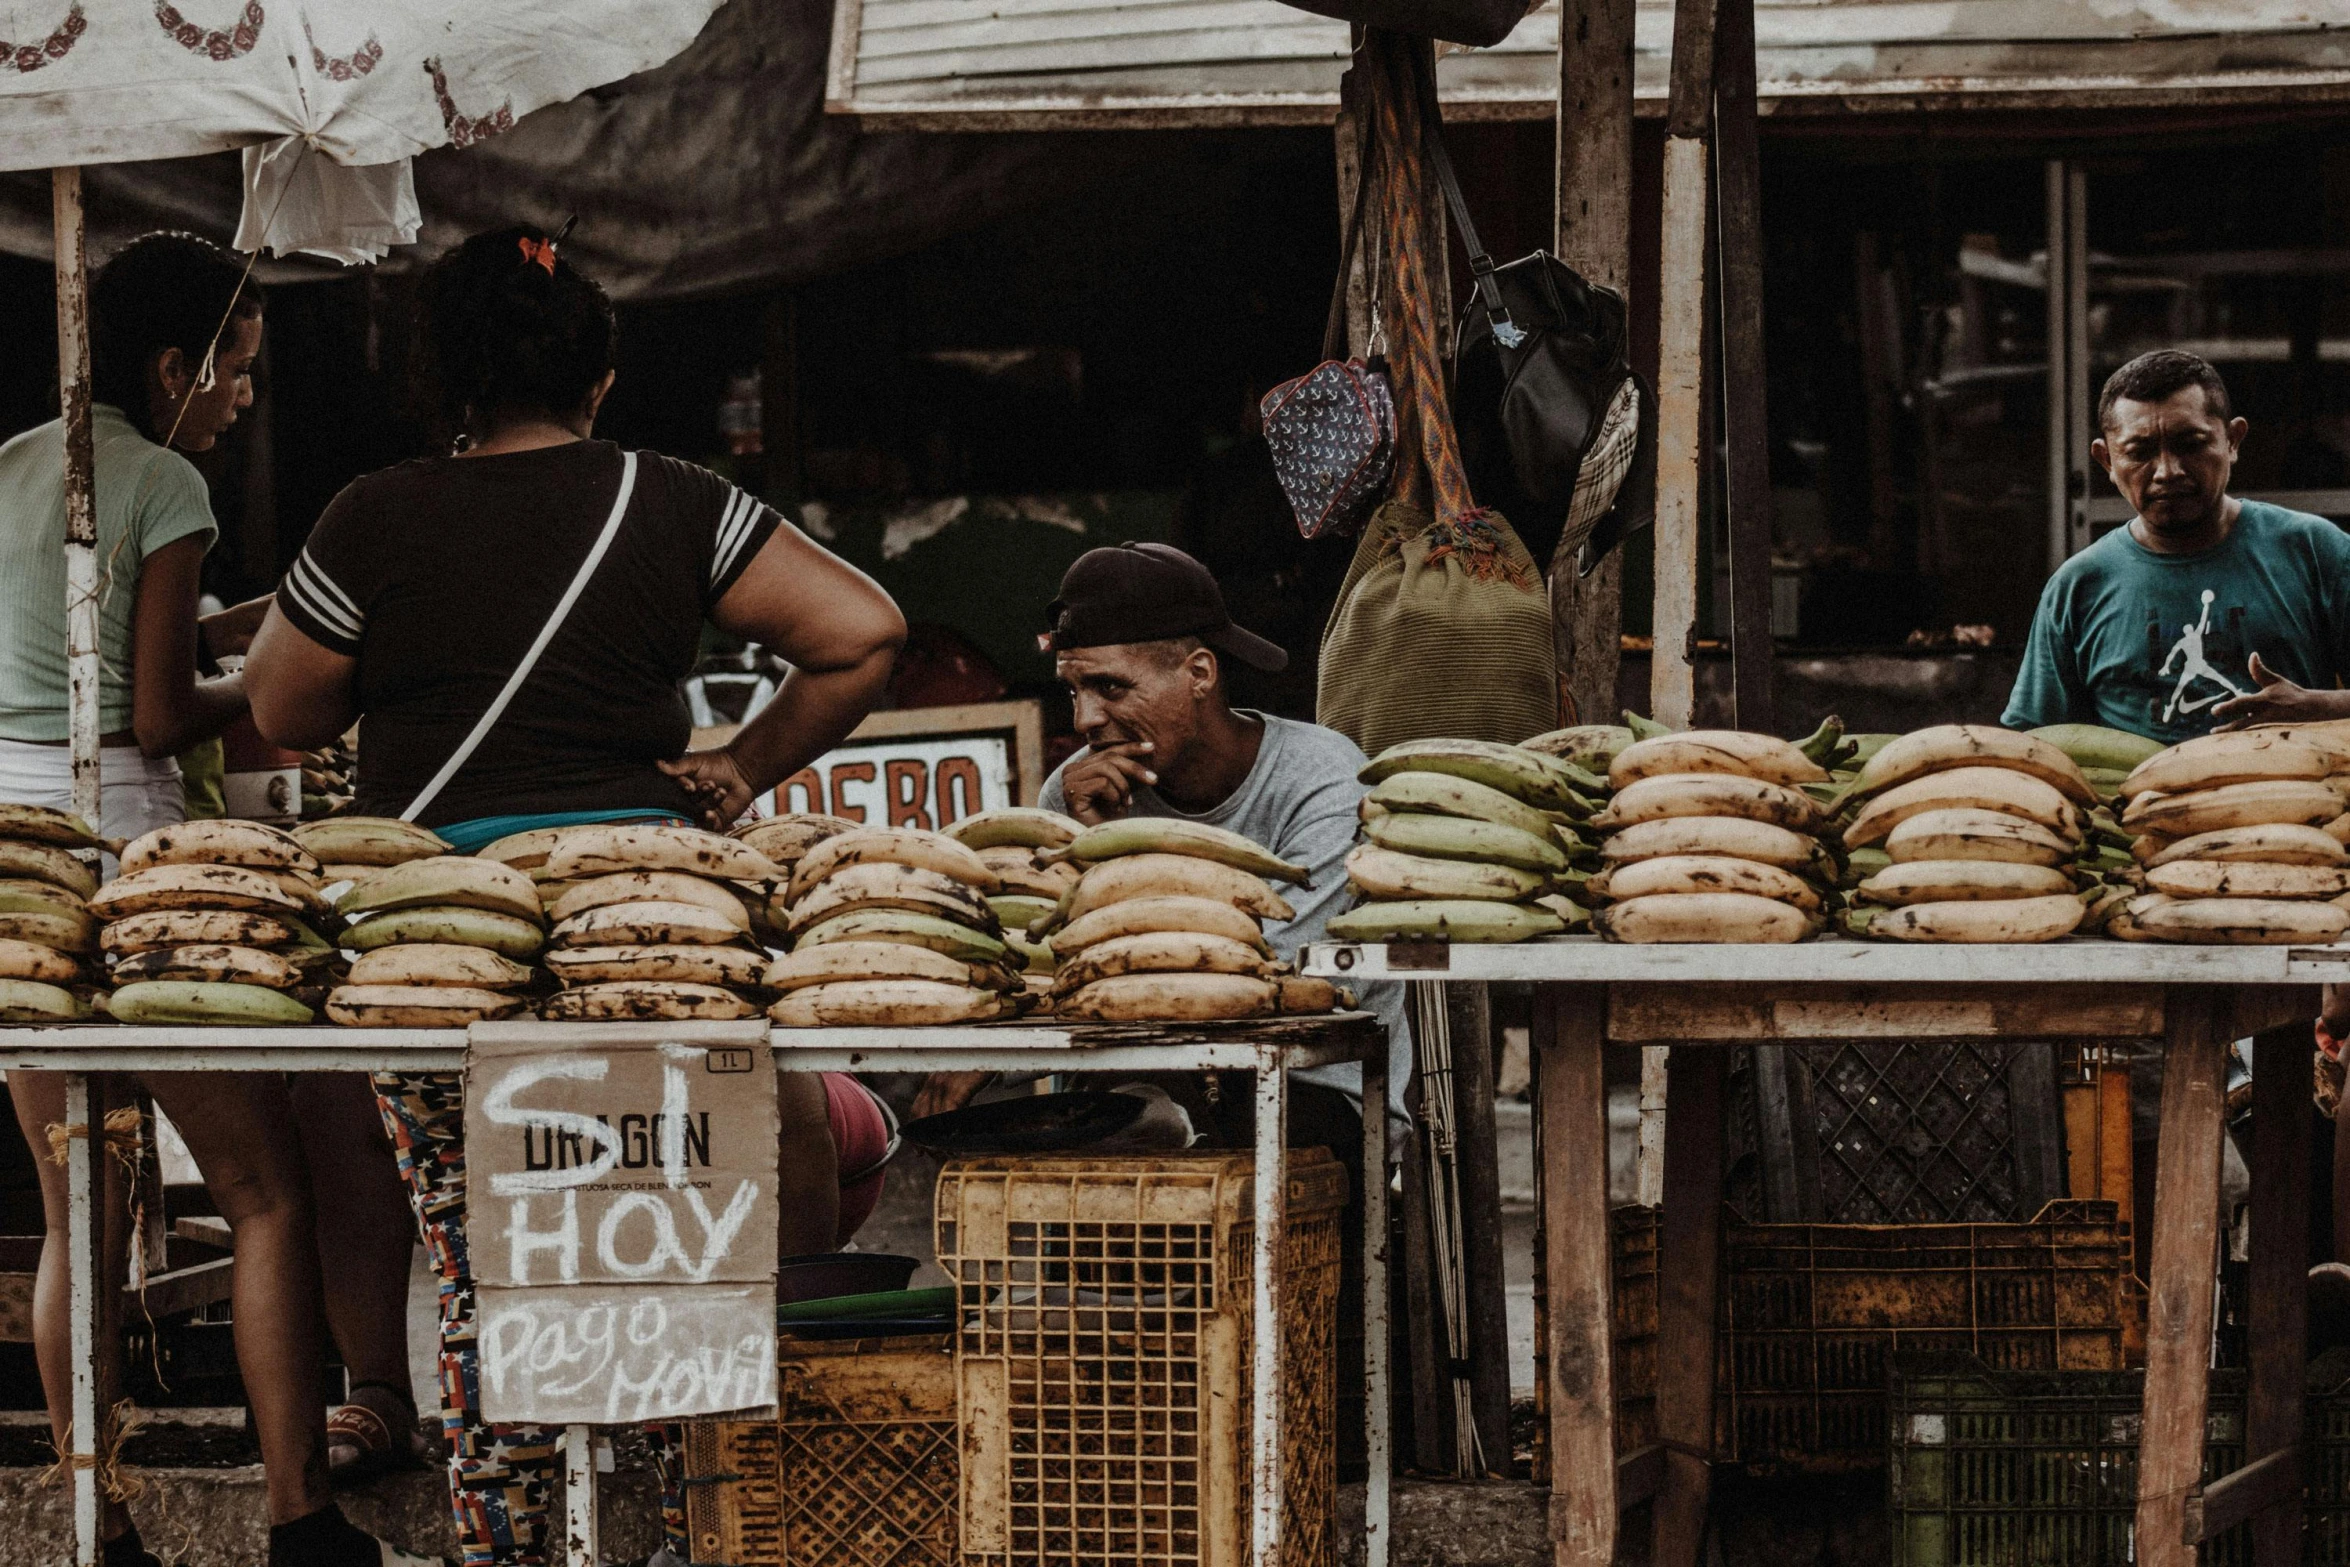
x=1332, y=430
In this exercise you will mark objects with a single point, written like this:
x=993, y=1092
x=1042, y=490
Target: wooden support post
x=1570, y=1024
x=1423, y=1328
x=1481, y=1234
x=2280, y=1275
x=81, y=495
x=1688, y=1268
x=1680, y=374
x=1594, y=236
x=1745, y=402
x=2186, y=1248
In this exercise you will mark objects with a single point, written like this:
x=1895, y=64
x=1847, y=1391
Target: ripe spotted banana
x=384, y=1005
x=1302, y=994
x=1163, y=952
x=1440, y=794
x=2000, y=789
x=367, y=840
x=928, y=851
x=1019, y=826
x=1728, y=751
x=35, y=1001
x=1453, y=838
x=646, y=924
x=46, y=862
x=1971, y=745
x=2216, y=761
x=840, y=961
x=888, y=886
x=785, y=839
x=22, y=895
x=887, y=1003
x=2093, y=746
x=196, y=928
x=922, y=930
x=1689, y=873
x=2309, y=802
x=1962, y=881
x=62, y=932
x=642, y=846
x=1734, y=836
x=28, y=960
x=218, y=842
x=1709, y=794
x=1164, y=835
x=1444, y=919
x=1976, y=835
x=2222, y=879
x=1592, y=746
x=40, y=824
x=2277, y=843
x=1541, y=781
x=1171, y=998
x=1018, y=873
x=1378, y=873
x=2239, y=921
x=463, y=927
x=649, y=887
x=732, y=967
x=647, y=1000
x=2002, y=920
x=454, y=880
x=437, y=963
x=1172, y=876
x=1137, y=915
x=1703, y=917
x=168, y=1001
x=525, y=851
x=211, y=964
x=191, y=887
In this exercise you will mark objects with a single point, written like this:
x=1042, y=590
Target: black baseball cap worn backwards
x=1148, y=593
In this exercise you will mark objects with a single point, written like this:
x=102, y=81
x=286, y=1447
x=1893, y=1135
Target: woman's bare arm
x=171, y=709
x=841, y=634
x=304, y=695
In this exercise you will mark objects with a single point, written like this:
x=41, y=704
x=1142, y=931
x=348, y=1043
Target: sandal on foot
x=361, y=1443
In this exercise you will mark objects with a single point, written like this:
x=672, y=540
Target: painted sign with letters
x=621, y=1218
x=925, y=767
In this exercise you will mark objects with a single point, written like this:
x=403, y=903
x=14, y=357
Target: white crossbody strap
x=530, y=659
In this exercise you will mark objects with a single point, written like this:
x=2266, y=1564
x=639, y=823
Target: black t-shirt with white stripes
x=438, y=574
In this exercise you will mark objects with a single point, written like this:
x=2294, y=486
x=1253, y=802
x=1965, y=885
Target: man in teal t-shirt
x=2206, y=610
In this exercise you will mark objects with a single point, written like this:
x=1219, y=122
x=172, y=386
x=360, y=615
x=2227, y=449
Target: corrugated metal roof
x=968, y=63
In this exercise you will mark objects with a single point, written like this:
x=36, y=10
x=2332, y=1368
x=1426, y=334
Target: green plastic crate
x=2040, y=1468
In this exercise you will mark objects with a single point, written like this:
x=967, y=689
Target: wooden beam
x=1688, y=1280
x=1482, y=1245
x=1680, y=376
x=1720, y=1014
x=1745, y=400
x=2186, y=1247
x=2267, y=1488
x=1594, y=236
x=2279, y=1285
x=1579, y=1244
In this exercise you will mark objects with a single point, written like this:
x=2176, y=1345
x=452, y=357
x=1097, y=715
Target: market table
x=2195, y=1000
x=1267, y=1049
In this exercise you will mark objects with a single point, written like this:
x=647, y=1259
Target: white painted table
x=1267, y=1049
x=2196, y=1000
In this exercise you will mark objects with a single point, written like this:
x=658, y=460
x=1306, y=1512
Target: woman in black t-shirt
x=422, y=591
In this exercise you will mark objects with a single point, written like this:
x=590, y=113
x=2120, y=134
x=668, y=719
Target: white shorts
x=136, y=793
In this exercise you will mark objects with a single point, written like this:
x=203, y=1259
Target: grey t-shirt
x=1298, y=801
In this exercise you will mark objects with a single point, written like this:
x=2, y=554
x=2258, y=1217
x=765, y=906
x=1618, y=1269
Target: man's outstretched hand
x=2280, y=701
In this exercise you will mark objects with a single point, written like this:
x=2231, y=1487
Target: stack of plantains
x=1983, y=832
x=1014, y=843
x=1164, y=925
x=210, y=923
x=442, y=941
x=2241, y=839
x=1466, y=840
x=891, y=925
x=1713, y=838
x=45, y=925
x=654, y=922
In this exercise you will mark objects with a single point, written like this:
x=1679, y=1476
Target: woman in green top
x=162, y=380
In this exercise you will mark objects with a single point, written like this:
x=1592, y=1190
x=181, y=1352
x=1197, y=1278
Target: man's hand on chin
x=1100, y=785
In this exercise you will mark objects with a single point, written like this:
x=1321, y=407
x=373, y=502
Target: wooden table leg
x=2280, y=1276
x=2186, y=1245
x=1688, y=1266
x=85, y=1176
x=1570, y=1027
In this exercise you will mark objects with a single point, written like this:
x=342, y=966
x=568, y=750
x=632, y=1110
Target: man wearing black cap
x=1140, y=633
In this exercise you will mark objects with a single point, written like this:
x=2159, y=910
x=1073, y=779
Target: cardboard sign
x=923, y=767
x=621, y=1219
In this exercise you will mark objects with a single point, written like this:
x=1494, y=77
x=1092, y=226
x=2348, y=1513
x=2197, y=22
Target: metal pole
x=81, y=514
x=1378, y=1445
x=579, y=1497
x=1265, y=1389
x=83, y=1232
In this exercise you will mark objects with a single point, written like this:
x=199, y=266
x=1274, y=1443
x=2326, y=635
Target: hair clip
x=541, y=251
